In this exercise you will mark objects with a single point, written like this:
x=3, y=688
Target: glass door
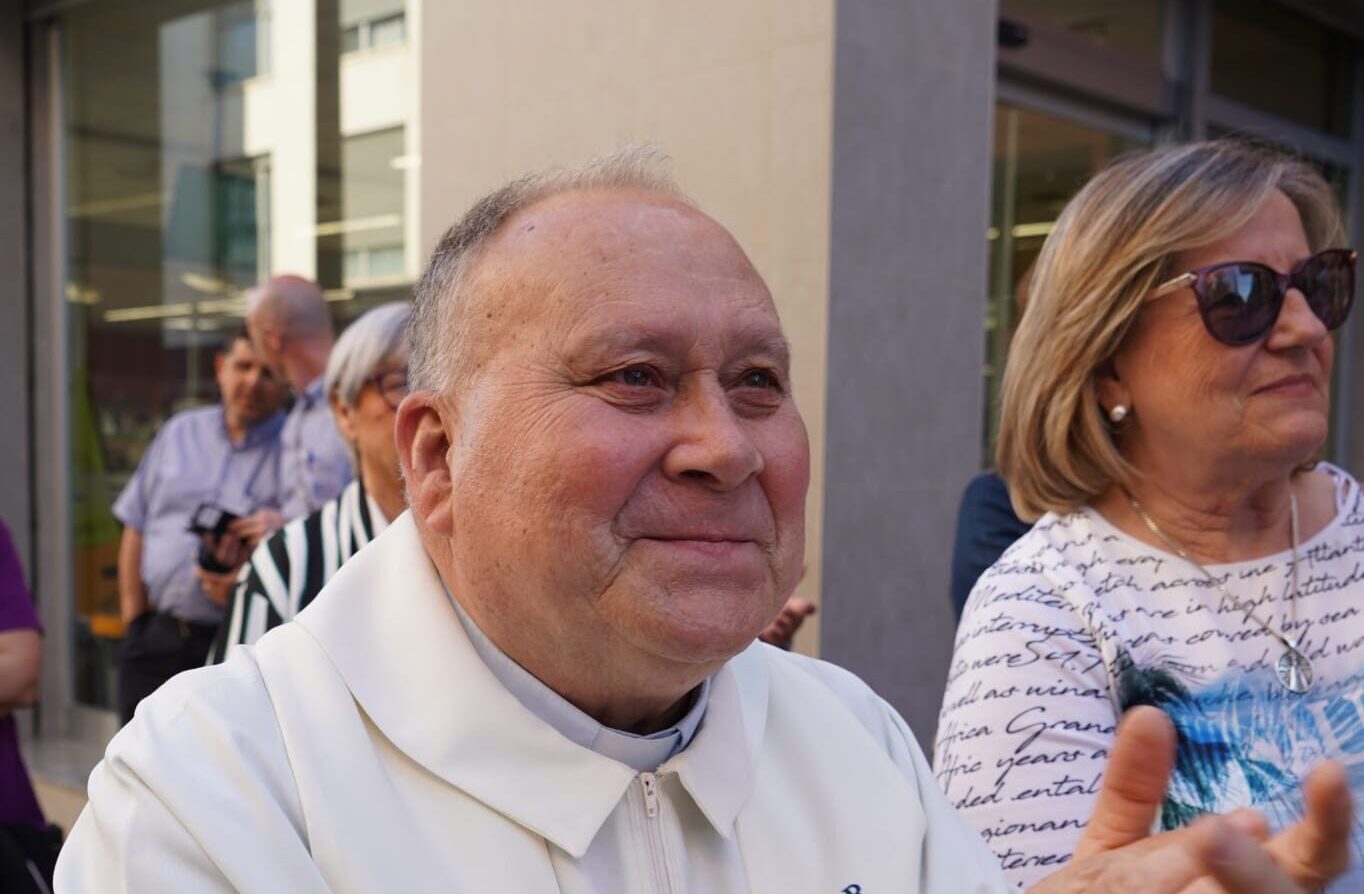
x=1040, y=161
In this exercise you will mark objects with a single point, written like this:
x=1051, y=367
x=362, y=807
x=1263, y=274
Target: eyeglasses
x=391, y=385
x=1240, y=300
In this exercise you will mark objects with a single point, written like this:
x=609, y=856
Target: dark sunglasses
x=1240, y=300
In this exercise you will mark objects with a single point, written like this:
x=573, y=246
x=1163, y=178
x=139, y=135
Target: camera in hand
x=211, y=521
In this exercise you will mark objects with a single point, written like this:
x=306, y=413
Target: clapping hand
x=1231, y=853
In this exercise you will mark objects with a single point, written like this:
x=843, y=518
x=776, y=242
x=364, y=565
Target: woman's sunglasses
x=1240, y=300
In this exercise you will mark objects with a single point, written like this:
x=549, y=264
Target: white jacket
x=367, y=748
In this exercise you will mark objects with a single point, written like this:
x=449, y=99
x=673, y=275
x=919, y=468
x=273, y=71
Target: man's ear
x=423, y=452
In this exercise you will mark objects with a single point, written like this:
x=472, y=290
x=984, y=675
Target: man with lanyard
x=291, y=329
x=206, y=491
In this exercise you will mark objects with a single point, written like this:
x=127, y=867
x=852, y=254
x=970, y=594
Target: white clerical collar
x=642, y=753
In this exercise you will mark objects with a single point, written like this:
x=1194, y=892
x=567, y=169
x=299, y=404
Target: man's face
x=628, y=467
x=250, y=393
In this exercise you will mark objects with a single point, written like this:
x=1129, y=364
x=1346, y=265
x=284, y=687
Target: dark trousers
x=155, y=648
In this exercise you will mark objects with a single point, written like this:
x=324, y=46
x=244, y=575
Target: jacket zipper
x=653, y=834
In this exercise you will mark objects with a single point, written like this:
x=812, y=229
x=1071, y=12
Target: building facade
x=892, y=167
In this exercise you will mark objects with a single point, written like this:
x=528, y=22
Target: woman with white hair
x=366, y=379
x=1165, y=400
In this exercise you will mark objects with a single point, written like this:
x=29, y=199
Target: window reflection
x=1277, y=60
x=1129, y=26
x=366, y=26
x=372, y=195
x=1039, y=162
x=195, y=167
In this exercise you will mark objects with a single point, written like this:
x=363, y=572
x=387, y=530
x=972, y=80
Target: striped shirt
x=289, y=569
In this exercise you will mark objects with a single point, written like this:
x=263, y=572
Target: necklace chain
x=1296, y=661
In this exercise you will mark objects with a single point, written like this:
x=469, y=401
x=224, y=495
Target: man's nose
x=1297, y=326
x=713, y=443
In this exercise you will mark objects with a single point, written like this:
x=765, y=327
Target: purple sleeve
x=16, y=606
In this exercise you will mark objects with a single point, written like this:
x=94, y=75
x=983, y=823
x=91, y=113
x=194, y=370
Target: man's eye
x=760, y=378
x=636, y=376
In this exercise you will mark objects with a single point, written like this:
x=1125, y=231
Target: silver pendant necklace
x=1293, y=669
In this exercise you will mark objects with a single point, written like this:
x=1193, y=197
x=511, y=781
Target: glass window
x=372, y=203
x=1039, y=162
x=1274, y=59
x=350, y=39
x=386, y=261
x=387, y=31
x=173, y=210
x=238, y=45
x=1130, y=26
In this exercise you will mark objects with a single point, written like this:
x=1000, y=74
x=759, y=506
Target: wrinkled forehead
x=618, y=259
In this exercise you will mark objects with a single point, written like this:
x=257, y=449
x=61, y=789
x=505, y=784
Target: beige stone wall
x=738, y=93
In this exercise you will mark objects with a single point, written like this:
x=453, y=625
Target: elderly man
x=544, y=676
x=291, y=327
x=224, y=458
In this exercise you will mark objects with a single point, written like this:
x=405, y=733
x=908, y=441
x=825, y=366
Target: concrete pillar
x=913, y=104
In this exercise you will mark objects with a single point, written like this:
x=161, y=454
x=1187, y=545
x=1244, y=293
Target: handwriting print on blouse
x=1244, y=739
x=1075, y=625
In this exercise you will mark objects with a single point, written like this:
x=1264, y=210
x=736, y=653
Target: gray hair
x=438, y=327
x=376, y=336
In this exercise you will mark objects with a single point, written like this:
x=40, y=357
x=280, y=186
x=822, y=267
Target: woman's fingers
x=1240, y=864
x=1228, y=853
x=1251, y=822
x=1134, y=782
x=1213, y=856
x=1317, y=849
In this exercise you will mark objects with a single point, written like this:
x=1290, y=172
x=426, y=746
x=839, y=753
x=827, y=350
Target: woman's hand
x=1216, y=854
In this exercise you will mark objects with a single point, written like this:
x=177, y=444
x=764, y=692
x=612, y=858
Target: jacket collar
x=720, y=765
x=386, y=624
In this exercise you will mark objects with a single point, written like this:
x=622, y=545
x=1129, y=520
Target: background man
x=224, y=457
x=291, y=329
x=544, y=676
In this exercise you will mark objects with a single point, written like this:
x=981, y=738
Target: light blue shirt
x=316, y=461
x=191, y=461
x=643, y=753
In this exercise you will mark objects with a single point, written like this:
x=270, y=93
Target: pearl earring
x=1117, y=414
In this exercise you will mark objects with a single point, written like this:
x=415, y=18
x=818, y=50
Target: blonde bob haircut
x=1111, y=246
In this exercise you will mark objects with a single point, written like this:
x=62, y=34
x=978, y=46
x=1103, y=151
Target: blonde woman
x=1164, y=401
